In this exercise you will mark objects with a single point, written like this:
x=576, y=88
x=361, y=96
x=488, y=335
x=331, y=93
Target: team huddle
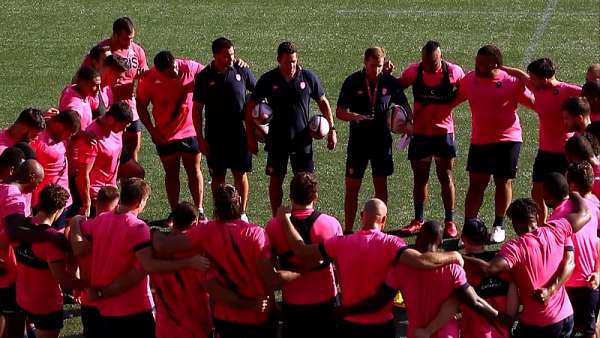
x=68, y=231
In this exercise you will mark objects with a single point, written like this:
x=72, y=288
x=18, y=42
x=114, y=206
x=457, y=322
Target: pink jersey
x=171, y=99
x=136, y=60
x=493, y=103
x=9, y=263
x=115, y=240
x=52, y=156
x=363, y=260
x=596, y=186
x=585, y=242
x=105, y=156
x=315, y=286
x=424, y=291
x=234, y=248
x=38, y=292
x=553, y=134
x=71, y=99
x=533, y=259
x=6, y=141
x=432, y=119
x=105, y=93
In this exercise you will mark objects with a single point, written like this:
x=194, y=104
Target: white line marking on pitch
x=539, y=32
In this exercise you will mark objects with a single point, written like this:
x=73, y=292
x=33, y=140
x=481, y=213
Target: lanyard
x=372, y=94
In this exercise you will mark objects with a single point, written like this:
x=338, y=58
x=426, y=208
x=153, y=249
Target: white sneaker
x=244, y=218
x=498, y=235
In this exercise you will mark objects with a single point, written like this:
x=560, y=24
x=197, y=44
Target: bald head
x=29, y=175
x=593, y=72
x=374, y=214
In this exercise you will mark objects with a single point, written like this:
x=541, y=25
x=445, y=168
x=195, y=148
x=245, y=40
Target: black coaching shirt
x=290, y=103
x=355, y=97
x=224, y=98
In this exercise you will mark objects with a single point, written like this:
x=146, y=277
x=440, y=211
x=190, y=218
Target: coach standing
x=287, y=89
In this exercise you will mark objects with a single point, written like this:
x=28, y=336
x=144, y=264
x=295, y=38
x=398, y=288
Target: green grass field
x=43, y=42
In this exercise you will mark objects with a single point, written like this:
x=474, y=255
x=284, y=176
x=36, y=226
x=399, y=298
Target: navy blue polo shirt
x=224, y=97
x=290, y=103
x=354, y=96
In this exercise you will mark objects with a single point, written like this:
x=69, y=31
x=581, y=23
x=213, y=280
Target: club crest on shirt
x=384, y=91
x=302, y=85
x=238, y=77
x=498, y=84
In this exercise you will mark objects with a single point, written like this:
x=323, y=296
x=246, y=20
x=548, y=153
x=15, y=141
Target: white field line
x=540, y=29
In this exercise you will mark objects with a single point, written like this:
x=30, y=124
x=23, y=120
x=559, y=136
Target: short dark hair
x=69, y=119
x=163, y=60
x=98, y=51
x=555, y=184
x=121, y=112
x=123, y=24
x=107, y=194
x=286, y=47
x=431, y=232
x=493, y=51
x=304, y=188
x=184, y=216
x=591, y=138
x=475, y=231
x=581, y=175
x=543, y=68
x=52, y=198
x=118, y=63
x=87, y=74
x=576, y=105
x=227, y=203
x=591, y=89
x=133, y=191
x=33, y=118
x=580, y=147
x=522, y=210
x=220, y=44
x=26, y=149
x=11, y=157
x=430, y=47
x=374, y=52
x=594, y=129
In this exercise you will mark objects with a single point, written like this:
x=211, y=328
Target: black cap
x=475, y=231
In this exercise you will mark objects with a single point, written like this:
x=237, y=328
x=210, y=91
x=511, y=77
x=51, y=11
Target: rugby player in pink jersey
x=581, y=148
x=496, y=139
x=10, y=160
x=76, y=96
x=42, y=268
x=121, y=44
x=591, y=91
x=434, y=84
x=111, y=67
x=539, y=262
x=576, y=114
x=169, y=87
x=593, y=72
x=549, y=95
x=121, y=242
x=28, y=125
x=308, y=302
x=362, y=262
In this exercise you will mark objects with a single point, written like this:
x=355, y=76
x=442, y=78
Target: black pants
x=91, y=322
x=561, y=329
x=314, y=320
x=140, y=325
x=227, y=329
x=354, y=330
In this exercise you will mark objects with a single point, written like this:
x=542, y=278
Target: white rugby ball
x=260, y=132
x=397, y=118
x=262, y=113
x=318, y=127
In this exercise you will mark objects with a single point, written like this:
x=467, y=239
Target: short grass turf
x=42, y=43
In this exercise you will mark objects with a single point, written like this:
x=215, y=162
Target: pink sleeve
x=459, y=276
x=87, y=152
x=395, y=276
x=569, y=242
x=262, y=244
x=142, y=56
x=15, y=204
x=140, y=236
x=457, y=74
x=510, y=253
x=330, y=228
x=408, y=77
x=195, y=235
x=525, y=95
x=562, y=227
x=142, y=88
x=331, y=246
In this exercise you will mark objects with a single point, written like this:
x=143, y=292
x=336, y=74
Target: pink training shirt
x=596, y=186
x=552, y=133
x=52, y=156
x=71, y=99
x=585, y=241
x=115, y=240
x=312, y=287
x=12, y=202
x=432, y=119
x=533, y=259
x=6, y=141
x=424, y=291
x=171, y=99
x=105, y=156
x=493, y=103
x=363, y=260
x=234, y=247
x=38, y=292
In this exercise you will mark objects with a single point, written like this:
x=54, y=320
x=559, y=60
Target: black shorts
x=8, y=301
x=547, y=163
x=561, y=329
x=358, y=157
x=498, y=159
x=187, y=145
x=277, y=162
x=125, y=157
x=50, y=322
x=91, y=322
x=227, y=329
x=424, y=147
x=354, y=330
x=314, y=320
x=228, y=156
x=585, y=309
x=134, y=127
x=139, y=325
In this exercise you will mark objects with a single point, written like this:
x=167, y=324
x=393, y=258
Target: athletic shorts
x=561, y=329
x=8, y=301
x=125, y=157
x=358, y=157
x=91, y=322
x=228, y=156
x=498, y=159
x=354, y=330
x=139, y=325
x=313, y=320
x=277, y=162
x=187, y=145
x=50, y=322
x=134, y=127
x=227, y=329
x=547, y=163
x=585, y=309
x=424, y=147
